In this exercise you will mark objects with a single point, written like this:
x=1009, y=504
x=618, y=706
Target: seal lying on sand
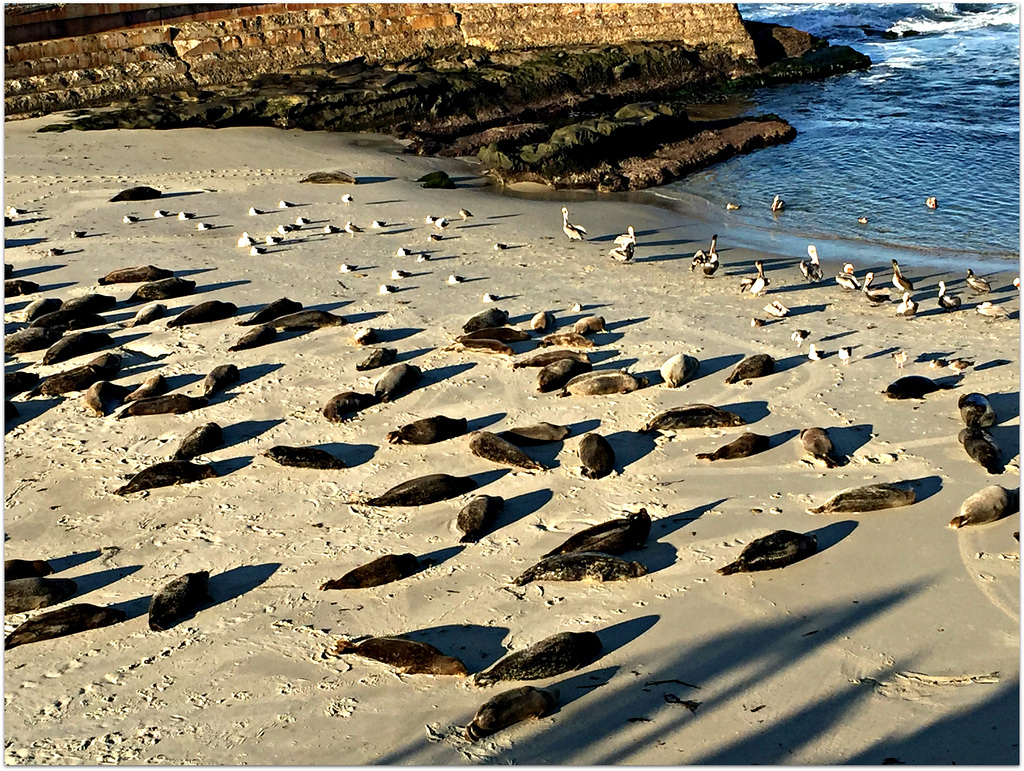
x=428, y=430
x=383, y=570
x=552, y=656
x=303, y=457
x=478, y=516
x=582, y=566
x=274, y=310
x=508, y=708
x=987, y=505
x=63, y=621
x=775, y=550
x=746, y=445
x=758, y=365
x=199, y=441
x=817, y=443
x=596, y=456
x=492, y=447
x=407, y=656
x=164, y=474
x=178, y=600
x=692, y=416
x=867, y=498
x=976, y=410
x=539, y=433
x=613, y=537
x=423, y=490
x=32, y=593
x=979, y=444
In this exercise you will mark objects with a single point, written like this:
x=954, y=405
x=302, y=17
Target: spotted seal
x=989, y=504
x=504, y=334
x=179, y=600
x=478, y=516
x=310, y=319
x=219, y=379
x=976, y=410
x=492, y=317
x=979, y=444
x=588, y=325
x=775, y=550
x=508, y=708
x=406, y=656
x=167, y=404
x=397, y=381
x=603, y=383
x=303, y=457
x=378, y=357
x=692, y=416
x=679, y=369
x=103, y=367
x=32, y=593
x=147, y=314
x=613, y=537
x=155, y=385
x=383, y=570
x=568, y=339
x=31, y=339
x=581, y=566
x=492, y=447
x=558, y=374
x=544, y=358
x=554, y=655
x=100, y=394
x=914, y=387
x=867, y=498
x=428, y=430
x=596, y=456
x=164, y=289
x=211, y=310
x=18, y=287
x=817, y=443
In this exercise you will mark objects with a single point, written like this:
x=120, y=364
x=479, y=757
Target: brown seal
x=211, y=310
x=341, y=406
x=19, y=382
x=32, y=593
x=539, y=433
x=378, y=357
x=428, y=430
x=589, y=325
x=75, y=345
x=274, y=310
x=492, y=447
x=557, y=374
x=867, y=498
x=103, y=367
x=597, y=456
x=179, y=600
x=758, y=365
x=219, y=379
x=613, y=537
x=979, y=444
x=164, y=289
x=554, y=655
x=482, y=346
x=544, y=358
x=18, y=287
x=569, y=339
x=135, y=275
x=478, y=516
x=602, y=383
x=101, y=393
x=383, y=570
x=775, y=550
x=407, y=656
x=989, y=504
x=423, y=490
x=818, y=445
x=582, y=566
x=199, y=441
x=155, y=385
x=398, y=380
x=31, y=339
x=255, y=337
x=167, y=404
x=164, y=474
x=303, y=457
x=746, y=445
x=70, y=619
x=311, y=319
x=508, y=708
x=492, y=317
x=14, y=569
x=146, y=314
x=504, y=334
x=692, y=416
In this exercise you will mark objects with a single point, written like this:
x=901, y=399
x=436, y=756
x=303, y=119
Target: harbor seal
x=343, y=405
x=89, y=303
x=255, y=337
x=31, y=339
x=539, y=433
x=478, y=516
x=406, y=656
x=211, y=310
x=581, y=566
x=135, y=275
x=199, y=441
x=78, y=344
x=383, y=570
x=164, y=289
x=428, y=430
x=976, y=410
x=103, y=367
x=541, y=321
x=679, y=369
x=167, y=404
x=100, y=394
x=746, y=445
x=147, y=314
x=19, y=382
x=397, y=381
x=41, y=307
x=219, y=379
x=15, y=569
x=492, y=447
x=378, y=357
x=817, y=443
x=692, y=416
x=596, y=456
x=775, y=550
x=989, y=504
x=32, y=593
x=492, y=317
x=568, y=339
x=913, y=387
x=311, y=319
x=268, y=313
x=554, y=655
x=867, y=498
x=164, y=474
x=423, y=490
x=178, y=600
x=503, y=334
x=508, y=708
x=496, y=347
x=63, y=621
x=544, y=358
x=979, y=444
x=588, y=325
x=303, y=457
x=137, y=193
x=603, y=383
x=758, y=365
x=68, y=320
x=18, y=287
x=614, y=537
x=557, y=374
x=155, y=385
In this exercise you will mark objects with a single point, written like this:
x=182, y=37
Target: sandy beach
x=898, y=640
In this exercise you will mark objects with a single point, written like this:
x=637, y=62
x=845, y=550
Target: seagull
x=732, y=206
x=331, y=229
x=778, y=204
x=489, y=298
x=500, y=247
x=274, y=240
x=757, y=322
x=352, y=229
x=245, y=240
x=433, y=236
x=128, y=219
x=430, y=219
x=573, y=232
x=15, y=212
x=948, y=302
x=284, y=204
x=453, y=279
x=978, y=284
x=54, y=252
x=799, y=336
x=992, y=311
x=901, y=359
x=812, y=269
x=959, y=365
x=932, y=202
x=629, y=237
x=576, y=308
x=813, y=354
x=286, y=229
x=907, y=307
x=387, y=289
x=901, y=282
x=1016, y=283
x=78, y=234
x=346, y=268
x=844, y=355
x=402, y=252
x=300, y=221
x=377, y=224
x=347, y=198
x=465, y=213
x=396, y=274
x=254, y=250
x=203, y=226
x=254, y=212
x=423, y=258
x=185, y=215
x=846, y=279
x=161, y=213
x=441, y=223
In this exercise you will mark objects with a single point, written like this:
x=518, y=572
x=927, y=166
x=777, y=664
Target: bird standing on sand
x=282, y=204
x=402, y=252
x=329, y=229
x=710, y=265
x=959, y=365
x=347, y=198
x=286, y=229
x=273, y=240
x=203, y=226
x=812, y=270
x=465, y=213
x=799, y=336
x=185, y=215
x=901, y=282
x=757, y=285
x=441, y=223
x=378, y=224
x=977, y=283
x=948, y=302
x=907, y=307
x=352, y=229
x=161, y=213
x=300, y=221
x=846, y=279
x=128, y=219
x=254, y=212
x=245, y=240
x=993, y=311
x=845, y=354
x=813, y=353
x=574, y=232
x=875, y=295
x=623, y=253
x=900, y=358
x=629, y=237
x=778, y=204
x=256, y=250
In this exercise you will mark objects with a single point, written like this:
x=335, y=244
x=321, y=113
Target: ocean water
x=937, y=114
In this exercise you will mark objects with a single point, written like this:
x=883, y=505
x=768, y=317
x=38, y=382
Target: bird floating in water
x=574, y=232
x=931, y=202
x=862, y=220
x=778, y=204
x=977, y=283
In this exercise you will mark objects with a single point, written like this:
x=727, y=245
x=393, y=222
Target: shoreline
x=812, y=663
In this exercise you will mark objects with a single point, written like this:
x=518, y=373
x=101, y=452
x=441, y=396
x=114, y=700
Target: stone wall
x=223, y=44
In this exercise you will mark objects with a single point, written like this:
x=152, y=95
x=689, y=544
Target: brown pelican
x=878, y=295
x=948, y=302
x=901, y=282
x=812, y=269
x=978, y=284
x=776, y=309
x=623, y=253
x=710, y=265
x=574, y=232
x=992, y=311
x=778, y=204
x=757, y=285
x=846, y=279
x=629, y=237
x=907, y=307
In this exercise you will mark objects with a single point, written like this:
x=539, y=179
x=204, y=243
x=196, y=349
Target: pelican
x=878, y=295
x=906, y=308
x=574, y=232
x=699, y=258
x=128, y=219
x=710, y=265
x=776, y=309
x=778, y=204
x=623, y=253
x=992, y=311
x=245, y=240
x=629, y=237
x=465, y=213
x=812, y=269
x=901, y=282
x=978, y=284
x=756, y=286
x=948, y=302
x=931, y=202
x=844, y=355
x=846, y=279
x=352, y=229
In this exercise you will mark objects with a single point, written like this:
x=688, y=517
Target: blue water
x=937, y=114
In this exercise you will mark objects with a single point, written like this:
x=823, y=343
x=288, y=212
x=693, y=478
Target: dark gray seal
x=979, y=444
x=568, y=339
x=164, y=289
x=255, y=337
x=478, y=516
x=89, y=303
x=383, y=570
x=63, y=621
x=867, y=498
x=597, y=456
x=41, y=307
x=78, y=344
x=103, y=367
x=503, y=334
x=102, y=394
x=18, y=287
x=199, y=441
x=32, y=339
x=378, y=357
x=581, y=566
x=492, y=317
x=271, y=312
x=492, y=447
x=538, y=433
x=311, y=319
x=557, y=374
x=135, y=275
x=989, y=504
x=219, y=379
x=14, y=569
x=24, y=594
x=552, y=656
x=19, y=382
x=397, y=381
x=211, y=310
x=179, y=600
x=428, y=430
x=743, y=447
x=508, y=708
x=423, y=490
x=544, y=358
x=818, y=444
x=343, y=405
x=758, y=365
x=168, y=404
x=406, y=656
x=976, y=410
x=775, y=550
x=137, y=193
x=164, y=474
x=692, y=416
x=603, y=383
x=154, y=385
x=146, y=314
x=615, y=537
x=913, y=387
x=303, y=457
x=68, y=320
